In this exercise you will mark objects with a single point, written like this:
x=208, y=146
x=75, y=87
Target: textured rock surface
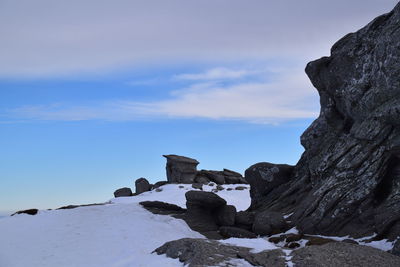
x=181, y=169
x=202, y=252
x=226, y=215
x=123, y=192
x=344, y=255
x=204, y=199
x=348, y=179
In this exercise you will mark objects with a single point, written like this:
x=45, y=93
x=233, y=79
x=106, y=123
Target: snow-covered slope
x=117, y=234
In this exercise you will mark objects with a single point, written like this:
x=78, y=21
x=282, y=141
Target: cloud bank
x=68, y=37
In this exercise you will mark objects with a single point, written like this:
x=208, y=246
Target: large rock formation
x=348, y=179
x=181, y=169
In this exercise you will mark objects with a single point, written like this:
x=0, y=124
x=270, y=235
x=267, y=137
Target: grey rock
x=240, y=187
x=197, y=186
x=201, y=252
x=158, y=189
x=245, y=217
x=396, y=248
x=347, y=181
x=265, y=177
x=160, y=183
x=204, y=199
x=220, y=187
x=142, y=185
x=269, y=222
x=225, y=215
x=201, y=179
x=123, y=192
x=229, y=231
x=181, y=169
x=344, y=255
x=214, y=176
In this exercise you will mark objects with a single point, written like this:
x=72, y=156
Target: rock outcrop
x=181, y=169
x=202, y=252
x=347, y=181
x=142, y=185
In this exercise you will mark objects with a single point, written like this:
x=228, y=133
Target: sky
x=93, y=93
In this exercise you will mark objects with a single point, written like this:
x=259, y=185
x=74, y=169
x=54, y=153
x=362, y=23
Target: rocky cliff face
x=348, y=179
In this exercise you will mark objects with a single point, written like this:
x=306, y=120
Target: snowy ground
x=119, y=234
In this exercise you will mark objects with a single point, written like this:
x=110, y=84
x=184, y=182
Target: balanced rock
x=142, y=185
x=123, y=192
x=181, y=169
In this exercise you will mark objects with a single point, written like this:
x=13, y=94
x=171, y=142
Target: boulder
x=197, y=186
x=269, y=222
x=229, y=231
x=123, y=192
x=343, y=255
x=215, y=176
x=264, y=177
x=201, y=179
x=206, y=200
x=245, y=217
x=347, y=181
x=142, y=185
x=160, y=183
x=181, y=169
x=225, y=215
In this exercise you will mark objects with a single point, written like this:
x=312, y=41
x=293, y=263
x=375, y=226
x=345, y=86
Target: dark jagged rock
x=263, y=178
x=347, y=181
x=181, y=169
x=344, y=255
x=201, y=252
x=68, y=207
x=123, y=192
x=29, y=212
x=229, y=231
x=142, y=185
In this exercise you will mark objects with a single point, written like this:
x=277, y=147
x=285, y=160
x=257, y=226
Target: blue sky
x=93, y=93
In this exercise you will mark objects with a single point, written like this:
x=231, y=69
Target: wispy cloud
x=216, y=74
x=284, y=98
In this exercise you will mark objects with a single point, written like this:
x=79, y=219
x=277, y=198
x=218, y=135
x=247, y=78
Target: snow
x=256, y=244
x=119, y=234
x=171, y=193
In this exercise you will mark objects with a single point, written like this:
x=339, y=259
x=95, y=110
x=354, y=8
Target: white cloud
x=50, y=38
x=216, y=74
x=284, y=98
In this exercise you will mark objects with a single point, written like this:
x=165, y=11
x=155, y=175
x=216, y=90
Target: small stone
x=158, y=189
x=240, y=187
x=276, y=239
x=181, y=186
x=292, y=245
x=197, y=186
x=220, y=187
x=229, y=189
x=293, y=237
x=350, y=241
